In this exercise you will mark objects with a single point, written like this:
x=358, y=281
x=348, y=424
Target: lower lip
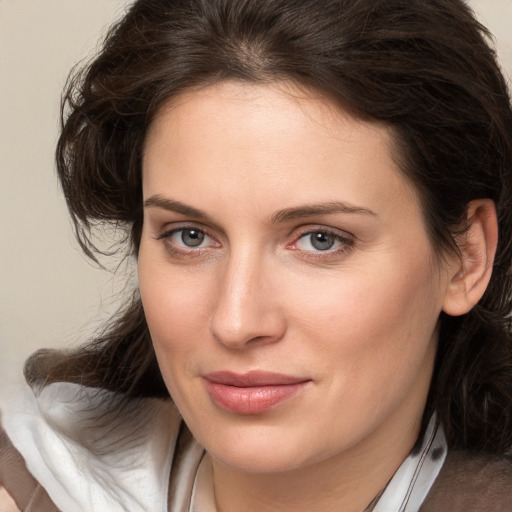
x=251, y=400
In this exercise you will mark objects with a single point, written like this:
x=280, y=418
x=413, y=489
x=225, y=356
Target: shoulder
x=472, y=482
x=18, y=488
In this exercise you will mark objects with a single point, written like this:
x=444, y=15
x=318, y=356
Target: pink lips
x=253, y=392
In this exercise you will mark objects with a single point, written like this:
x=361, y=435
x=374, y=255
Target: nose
x=248, y=311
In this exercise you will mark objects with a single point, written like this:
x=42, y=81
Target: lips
x=252, y=392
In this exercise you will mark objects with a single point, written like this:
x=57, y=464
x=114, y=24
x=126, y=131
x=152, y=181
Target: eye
x=188, y=237
x=318, y=241
x=184, y=238
x=322, y=241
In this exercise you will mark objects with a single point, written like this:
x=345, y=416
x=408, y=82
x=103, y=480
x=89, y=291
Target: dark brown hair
x=424, y=67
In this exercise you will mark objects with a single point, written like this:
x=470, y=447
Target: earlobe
x=471, y=272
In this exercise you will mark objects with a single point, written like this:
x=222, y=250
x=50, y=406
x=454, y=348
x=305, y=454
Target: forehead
x=252, y=141
x=278, y=107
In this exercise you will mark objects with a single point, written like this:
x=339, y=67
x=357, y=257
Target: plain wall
x=49, y=294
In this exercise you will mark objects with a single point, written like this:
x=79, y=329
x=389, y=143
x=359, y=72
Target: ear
x=470, y=272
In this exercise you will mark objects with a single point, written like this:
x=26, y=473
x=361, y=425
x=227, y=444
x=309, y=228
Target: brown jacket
x=471, y=483
x=467, y=483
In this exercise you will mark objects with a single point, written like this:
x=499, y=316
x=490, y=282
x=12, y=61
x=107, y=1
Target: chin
x=259, y=458
x=261, y=448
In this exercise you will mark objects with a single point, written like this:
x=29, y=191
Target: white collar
x=56, y=433
x=410, y=484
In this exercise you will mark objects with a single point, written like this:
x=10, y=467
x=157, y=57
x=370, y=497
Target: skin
x=357, y=320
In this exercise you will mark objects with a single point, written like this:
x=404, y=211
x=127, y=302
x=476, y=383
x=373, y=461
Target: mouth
x=253, y=392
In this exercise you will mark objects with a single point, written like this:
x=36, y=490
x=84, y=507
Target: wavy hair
x=425, y=68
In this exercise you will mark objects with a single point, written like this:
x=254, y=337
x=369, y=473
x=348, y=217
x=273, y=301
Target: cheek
x=177, y=305
x=373, y=322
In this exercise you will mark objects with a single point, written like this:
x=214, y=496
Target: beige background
x=49, y=294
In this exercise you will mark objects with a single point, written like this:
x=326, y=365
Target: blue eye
x=189, y=237
x=321, y=241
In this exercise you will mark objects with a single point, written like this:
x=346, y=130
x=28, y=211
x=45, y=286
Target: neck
x=348, y=481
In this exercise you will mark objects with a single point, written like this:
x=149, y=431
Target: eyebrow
x=330, y=208
x=284, y=215
x=171, y=205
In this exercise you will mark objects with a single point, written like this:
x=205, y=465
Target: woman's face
x=289, y=285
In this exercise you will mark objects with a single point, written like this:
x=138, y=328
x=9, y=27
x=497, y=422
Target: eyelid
x=347, y=239
x=169, y=231
x=319, y=228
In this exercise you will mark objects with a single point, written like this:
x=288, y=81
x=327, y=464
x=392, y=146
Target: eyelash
x=173, y=249
x=346, y=242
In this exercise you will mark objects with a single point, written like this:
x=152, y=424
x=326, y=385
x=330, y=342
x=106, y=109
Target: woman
x=313, y=192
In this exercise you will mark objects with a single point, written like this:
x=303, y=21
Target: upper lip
x=252, y=378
